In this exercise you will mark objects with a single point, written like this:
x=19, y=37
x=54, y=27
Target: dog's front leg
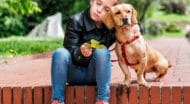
x=127, y=74
x=140, y=73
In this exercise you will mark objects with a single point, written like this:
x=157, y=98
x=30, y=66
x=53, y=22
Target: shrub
x=155, y=28
x=172, y=28
x=12, y=13
x=174, y=7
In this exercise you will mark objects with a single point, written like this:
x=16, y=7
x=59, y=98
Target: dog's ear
x=134, y=16
x=108, y=20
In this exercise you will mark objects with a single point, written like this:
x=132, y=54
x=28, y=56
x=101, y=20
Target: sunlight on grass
x=180, y=34
x=164, y=17
x=18, y=46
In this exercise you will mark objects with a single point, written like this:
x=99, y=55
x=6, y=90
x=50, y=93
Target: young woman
x=79, y=64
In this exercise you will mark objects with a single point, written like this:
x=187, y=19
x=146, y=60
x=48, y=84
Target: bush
x=172, y=28
x=155, y=28
x=12, y=13
x=187, y=35
x=174, y=7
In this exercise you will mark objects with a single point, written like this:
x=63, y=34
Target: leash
x=113, y=50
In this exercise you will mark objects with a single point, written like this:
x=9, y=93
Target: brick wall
x=120, y=94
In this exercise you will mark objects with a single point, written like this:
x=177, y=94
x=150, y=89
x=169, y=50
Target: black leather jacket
x=81, y=29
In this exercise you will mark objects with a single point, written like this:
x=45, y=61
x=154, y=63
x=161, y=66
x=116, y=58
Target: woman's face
x=99, y=7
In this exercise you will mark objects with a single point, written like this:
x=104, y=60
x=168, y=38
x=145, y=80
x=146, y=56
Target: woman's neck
x=98, y=24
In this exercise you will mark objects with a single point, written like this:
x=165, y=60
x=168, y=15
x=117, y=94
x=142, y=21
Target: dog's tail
x=169, y=64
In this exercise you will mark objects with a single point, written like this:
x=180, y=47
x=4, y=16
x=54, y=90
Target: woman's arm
x=74, y=39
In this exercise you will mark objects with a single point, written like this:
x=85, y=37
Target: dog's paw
x=158, y=80
x=142, y=82
x=127, y=82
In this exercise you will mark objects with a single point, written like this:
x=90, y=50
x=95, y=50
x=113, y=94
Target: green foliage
x=174, y=7
x=155, y=28
x=80, y=5
x=142, y=6
x=174, y=18
x=50, y=7
x=172, y=28
x=15, y=46
x=12, y=12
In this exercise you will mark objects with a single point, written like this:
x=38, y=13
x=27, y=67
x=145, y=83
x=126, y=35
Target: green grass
x=160, y=16
x=180, y=34
x=19, y=46
x=165, y=17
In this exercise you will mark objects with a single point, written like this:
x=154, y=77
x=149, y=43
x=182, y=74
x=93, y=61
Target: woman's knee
x=103, y=52
x=102, y=55
x=61, y=54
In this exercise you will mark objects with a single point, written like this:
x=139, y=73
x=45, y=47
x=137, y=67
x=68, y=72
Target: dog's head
x=120, y=15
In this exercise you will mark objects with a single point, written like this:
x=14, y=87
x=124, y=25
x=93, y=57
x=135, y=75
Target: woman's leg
x=61, y=59
x=62, y=71
x=100, y=70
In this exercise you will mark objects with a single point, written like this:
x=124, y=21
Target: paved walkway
x=34, y=70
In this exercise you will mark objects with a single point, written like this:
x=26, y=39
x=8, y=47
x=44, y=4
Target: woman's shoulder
x=76, y=21
x=78, y=16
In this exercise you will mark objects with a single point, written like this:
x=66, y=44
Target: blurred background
x=159, y=18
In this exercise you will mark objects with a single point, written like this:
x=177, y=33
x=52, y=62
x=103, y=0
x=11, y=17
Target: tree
x=12, y=12
x=141, y=6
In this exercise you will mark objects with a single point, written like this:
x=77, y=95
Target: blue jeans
x=97, y=72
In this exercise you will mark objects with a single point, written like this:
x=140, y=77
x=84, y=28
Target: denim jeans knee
x=61, y=55
x=59, y=69
x=102, y=62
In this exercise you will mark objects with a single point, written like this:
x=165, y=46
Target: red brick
x=47, y=94
x=133, y=95
x=176, y=95
x=91, y=92
x=17, y=95
x=0, y=95
x=80, y=94
x=155, y=95
x=7, y=95
x=144, y=95
x=69, y=98
x=122, y=94
x=38, y=99
x=166, y=95
x=186, y=92
x=113, y=95
x=27, y=95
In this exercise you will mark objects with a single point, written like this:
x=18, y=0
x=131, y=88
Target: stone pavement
x=34, y=70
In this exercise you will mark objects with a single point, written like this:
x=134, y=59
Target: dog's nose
x=125, y=21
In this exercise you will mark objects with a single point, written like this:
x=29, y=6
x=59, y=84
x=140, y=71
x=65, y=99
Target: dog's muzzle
x=125, y=21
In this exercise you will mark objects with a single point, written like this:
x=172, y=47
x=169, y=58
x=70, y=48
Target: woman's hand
x=86, y=50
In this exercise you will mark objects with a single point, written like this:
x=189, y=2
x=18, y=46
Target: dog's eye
x=118, y=12
x=128, y=11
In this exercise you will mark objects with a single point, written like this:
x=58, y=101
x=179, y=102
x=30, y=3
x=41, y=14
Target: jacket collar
x=88, y=22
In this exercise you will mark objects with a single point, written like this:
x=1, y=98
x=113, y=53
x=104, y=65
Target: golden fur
x=122, y=17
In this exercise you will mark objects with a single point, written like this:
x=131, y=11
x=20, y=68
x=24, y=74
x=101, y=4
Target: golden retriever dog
x=131, y=48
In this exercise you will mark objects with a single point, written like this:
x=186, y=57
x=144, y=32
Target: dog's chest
x=132, y=50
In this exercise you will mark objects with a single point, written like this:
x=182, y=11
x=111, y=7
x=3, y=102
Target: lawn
x=18, y=46
x=179, y=34
x=178, y=19
x=165, y=17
